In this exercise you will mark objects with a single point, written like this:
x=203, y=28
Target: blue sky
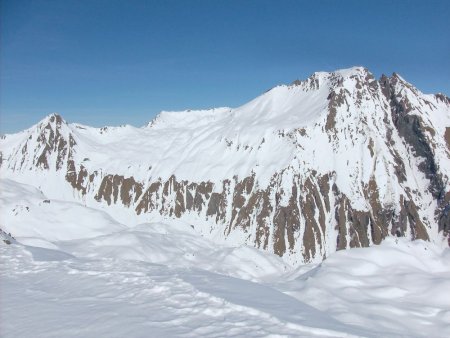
x=114, y=62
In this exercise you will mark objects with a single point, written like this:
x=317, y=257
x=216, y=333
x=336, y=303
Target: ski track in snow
x=164, y=280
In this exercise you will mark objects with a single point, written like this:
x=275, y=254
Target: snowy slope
x=164, y=280
x=47, y=294
x=31, y=216
x=35, y=220
x=339, y=160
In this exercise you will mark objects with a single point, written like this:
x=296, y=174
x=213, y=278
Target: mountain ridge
x=335, y=161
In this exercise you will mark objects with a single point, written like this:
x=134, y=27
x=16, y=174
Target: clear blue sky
x=114, y=62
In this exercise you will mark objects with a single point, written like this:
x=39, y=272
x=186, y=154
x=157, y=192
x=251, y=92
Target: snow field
x=166, y=280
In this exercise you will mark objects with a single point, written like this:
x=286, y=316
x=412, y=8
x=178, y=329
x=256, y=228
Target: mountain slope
x=338, y=160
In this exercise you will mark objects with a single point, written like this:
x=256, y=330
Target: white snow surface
x=84, y=274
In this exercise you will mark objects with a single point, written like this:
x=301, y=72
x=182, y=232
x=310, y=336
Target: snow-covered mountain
x=336, y=161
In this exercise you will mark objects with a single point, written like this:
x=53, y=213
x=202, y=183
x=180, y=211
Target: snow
x=74, y=297
x=31, y=216
x=397, y=288
x=63, y=278
x=80, y=267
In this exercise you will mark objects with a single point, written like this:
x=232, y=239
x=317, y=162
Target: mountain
x=336, y=161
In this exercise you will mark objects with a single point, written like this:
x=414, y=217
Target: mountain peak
x=398, y=78
x=52, y=121
x=352, y=71
x=336, y=78
x=343, y=73
x=53, y=118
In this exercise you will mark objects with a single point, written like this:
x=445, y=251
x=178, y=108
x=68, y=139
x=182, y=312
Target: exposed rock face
x=412, y=129
x=447, y=137
x=337, y=161
x=419, y=136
